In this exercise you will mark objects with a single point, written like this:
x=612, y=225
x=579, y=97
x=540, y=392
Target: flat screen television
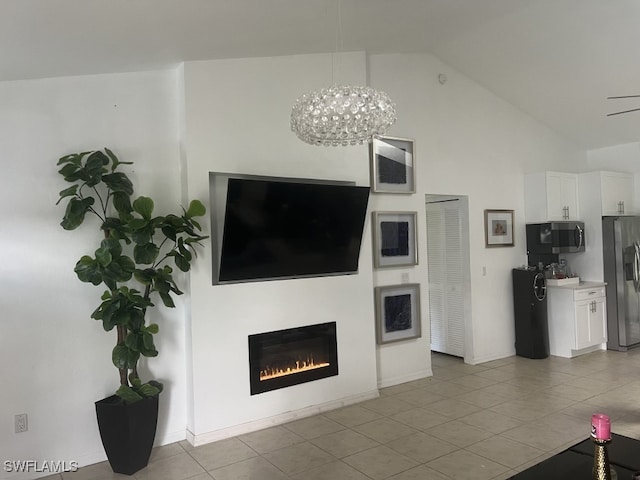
x=268, y=228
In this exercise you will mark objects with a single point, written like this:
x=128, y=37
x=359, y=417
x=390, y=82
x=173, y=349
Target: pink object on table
x=600, y=426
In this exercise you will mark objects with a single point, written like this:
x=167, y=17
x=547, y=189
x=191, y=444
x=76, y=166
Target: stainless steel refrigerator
x=621, y=243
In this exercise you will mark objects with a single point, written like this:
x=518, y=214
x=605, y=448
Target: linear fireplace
x=289, y=357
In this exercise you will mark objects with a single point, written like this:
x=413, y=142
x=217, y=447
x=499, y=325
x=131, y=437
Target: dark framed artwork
x=392, y=165
x=397, y=312
x=498, y=228
x=394, y=239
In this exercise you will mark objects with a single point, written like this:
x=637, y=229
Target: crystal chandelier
x=342, y=115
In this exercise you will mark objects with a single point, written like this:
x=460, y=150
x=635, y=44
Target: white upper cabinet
x=617, y=193
x=612, y=193
x=551, y=196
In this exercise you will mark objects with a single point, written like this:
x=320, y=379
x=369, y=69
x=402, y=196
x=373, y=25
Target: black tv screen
x=276, y=228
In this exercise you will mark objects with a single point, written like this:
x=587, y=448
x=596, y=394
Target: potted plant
x=133, y=263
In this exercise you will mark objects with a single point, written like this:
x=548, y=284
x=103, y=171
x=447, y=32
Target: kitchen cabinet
x=577, y=318
x=616, y=193
x=551, y=196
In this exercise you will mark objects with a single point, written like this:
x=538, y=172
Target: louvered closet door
x=446, y=310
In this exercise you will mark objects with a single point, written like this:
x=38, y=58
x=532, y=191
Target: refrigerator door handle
x=636, y=267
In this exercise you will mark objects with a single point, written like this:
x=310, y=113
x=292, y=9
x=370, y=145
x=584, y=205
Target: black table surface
x=577, y=461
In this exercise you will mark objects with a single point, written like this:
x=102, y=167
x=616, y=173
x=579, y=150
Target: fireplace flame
x=300, y=366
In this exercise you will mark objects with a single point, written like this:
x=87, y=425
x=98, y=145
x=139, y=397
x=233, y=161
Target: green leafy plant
x=135, y=252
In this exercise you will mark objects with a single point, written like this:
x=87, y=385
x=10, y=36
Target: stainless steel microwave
x=555, y=237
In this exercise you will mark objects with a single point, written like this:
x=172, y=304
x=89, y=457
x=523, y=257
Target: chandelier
x=342, y=115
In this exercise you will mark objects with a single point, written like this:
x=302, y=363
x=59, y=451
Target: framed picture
x=397, y=312
x=498, y=228
x=394, y=239
x=392, y=165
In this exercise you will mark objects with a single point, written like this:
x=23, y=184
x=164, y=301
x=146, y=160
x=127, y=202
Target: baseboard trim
x=490, y=358
x=224, y=433
x=390, y=382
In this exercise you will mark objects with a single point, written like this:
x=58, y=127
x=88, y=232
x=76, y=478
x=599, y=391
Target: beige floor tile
x=459, y=433
x=491, y=421
x=421, y=447
x=421, y=472
x=448, y=389
x=331, y=471
x=453, y=408
x=568, y=424
x=380, y=462
x=520, y=409
x=344, y=443
x=571, y=392
x=313, y=427
x=166, y=451
x=482, y=398
x=420, y=397
x=474, y=381
x=464, y=465
x=497, y=374
x=579, y=410
x=589, y=384
x=352, y=415
x=186, y=446
x=270, y=439
x=252, y=469
x=548, y=401
x=420, y=418
x=505, y=451
x=438, y=361
x=219, y=454
x=424, y=382
x=387, y=405
x=396, y=389
x=97, y=471
x=177, y=467
x=446, y=373
x=298, y=458
x=539, y=436
x=507, y=391
x=384, y=430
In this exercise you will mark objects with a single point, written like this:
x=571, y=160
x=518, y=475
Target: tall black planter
x=127, y=432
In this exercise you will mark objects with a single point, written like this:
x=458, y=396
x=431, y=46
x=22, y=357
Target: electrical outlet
x=22, y=424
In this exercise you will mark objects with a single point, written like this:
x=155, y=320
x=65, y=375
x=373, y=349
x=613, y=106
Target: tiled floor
x=466, y=422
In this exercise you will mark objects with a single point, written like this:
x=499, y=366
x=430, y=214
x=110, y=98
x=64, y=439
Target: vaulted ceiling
x=557, y=60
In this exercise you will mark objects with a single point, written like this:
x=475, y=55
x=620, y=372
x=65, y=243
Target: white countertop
x=579, y=286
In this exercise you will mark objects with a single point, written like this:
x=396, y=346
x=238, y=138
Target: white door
x=446, y=251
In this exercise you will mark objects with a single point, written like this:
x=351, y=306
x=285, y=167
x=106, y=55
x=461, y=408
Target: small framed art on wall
x=392, y=165
x=397, y=312
x=394, y=239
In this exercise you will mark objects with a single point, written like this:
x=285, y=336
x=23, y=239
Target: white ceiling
x=558, y=60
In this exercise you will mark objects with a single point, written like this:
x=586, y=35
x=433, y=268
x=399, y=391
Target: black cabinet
x=530, y=313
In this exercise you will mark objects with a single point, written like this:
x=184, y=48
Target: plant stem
x=122, y=333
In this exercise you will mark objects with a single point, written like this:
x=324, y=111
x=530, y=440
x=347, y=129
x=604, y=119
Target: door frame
x=466, y=265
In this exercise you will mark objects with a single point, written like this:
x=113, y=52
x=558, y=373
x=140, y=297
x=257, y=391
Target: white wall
x=56, y=361
x=237, y=120
x=469, y=142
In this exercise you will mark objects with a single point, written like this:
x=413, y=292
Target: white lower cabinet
x=577, y=319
